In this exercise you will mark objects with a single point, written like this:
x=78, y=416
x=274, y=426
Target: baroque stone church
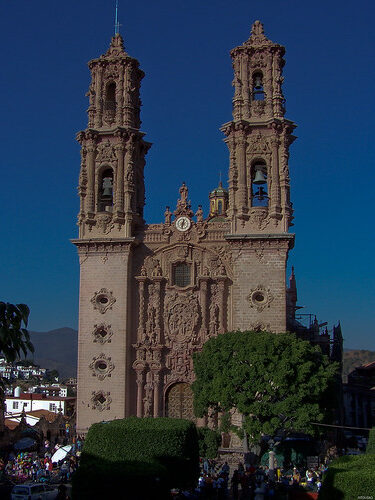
x=152, y=294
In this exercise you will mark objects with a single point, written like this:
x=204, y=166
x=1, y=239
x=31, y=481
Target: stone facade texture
x=152, y=294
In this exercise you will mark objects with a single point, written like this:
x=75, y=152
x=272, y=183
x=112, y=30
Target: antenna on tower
x=117, y=24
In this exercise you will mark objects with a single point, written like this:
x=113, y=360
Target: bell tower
x=258, y=139
x=111, y=183
x=259, y=209
x=111, y=190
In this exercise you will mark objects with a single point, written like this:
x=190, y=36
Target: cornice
x=257, y=240
x=249, y=125
x=98, y=245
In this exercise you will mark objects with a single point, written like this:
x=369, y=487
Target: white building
x=32, y=401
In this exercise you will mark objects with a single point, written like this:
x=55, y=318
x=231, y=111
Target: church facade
x=152, y=294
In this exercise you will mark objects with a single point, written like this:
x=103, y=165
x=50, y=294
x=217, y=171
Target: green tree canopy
x=275, y=380
x=14, y=338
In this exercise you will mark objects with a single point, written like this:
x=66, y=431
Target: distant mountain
x=56, y=350
x=354, y=358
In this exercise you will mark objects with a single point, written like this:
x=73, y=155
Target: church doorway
x=179, y=402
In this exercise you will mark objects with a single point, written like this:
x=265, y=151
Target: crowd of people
x=216, y=482
x=42, y=467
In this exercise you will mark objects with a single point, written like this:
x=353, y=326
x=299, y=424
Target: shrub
x=349, y=477
x=209, y=442
x=137, y=458
x=370, y=449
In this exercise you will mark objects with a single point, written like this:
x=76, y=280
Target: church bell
x=259, y=177
x=107, y=187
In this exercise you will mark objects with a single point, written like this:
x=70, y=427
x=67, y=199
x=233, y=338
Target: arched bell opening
x=259, y=184
x=110, y=98
x=105, y=195
x=257, y=87
x=179, y=400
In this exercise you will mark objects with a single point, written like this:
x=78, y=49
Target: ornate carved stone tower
x=111, y=184
x=260, y=212
x=111, y=190
x=258, y=139
x=152, y=294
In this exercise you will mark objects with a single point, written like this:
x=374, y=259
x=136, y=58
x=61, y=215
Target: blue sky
x=183, y=47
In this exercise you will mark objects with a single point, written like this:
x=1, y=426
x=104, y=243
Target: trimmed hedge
x=348, y=478
x=209, y=442
x=370, y=448
x=137, y=458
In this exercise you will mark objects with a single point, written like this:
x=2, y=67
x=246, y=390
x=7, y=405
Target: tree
x=14, y=337
x=276, y=381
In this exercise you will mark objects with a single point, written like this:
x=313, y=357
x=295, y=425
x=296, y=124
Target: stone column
x=98, y=97
x=120, y=148
x=221, y=286
x=120, y=96
x=158, y=287
x=141, y=318
x=129, y=186
x=242, y=201
x=233, y=175
x=90, y=177
x=140, y=381
x=203, y=281
x=237, y=88
x=156, y=394
x=275, y=208
x=245, y=87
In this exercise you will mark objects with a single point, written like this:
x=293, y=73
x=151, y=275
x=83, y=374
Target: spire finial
x=257, y=28
x=117, y=24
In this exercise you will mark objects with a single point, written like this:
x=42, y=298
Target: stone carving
x=167, y=216
x=101, y=366
x=258, y=108
x=104, y=222
x=103, y=300
x=102, y=333
x=258, y=216
x=183, y=204
x=152, y=267
x=259, y=145
x=106, y=152
x=147, y=400
x=258, y=61
x=101, y=400
x=257, y=35
x=182, y=315
x=225, y=257
x=182, y=251
x=260, y=327
x=214, y=310
x=116, y=48
x=260, y=298
x=199, y=214
x=143, y=270
x=157, y=271
x=153, y=315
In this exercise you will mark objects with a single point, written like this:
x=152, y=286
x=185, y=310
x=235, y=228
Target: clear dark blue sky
x=183, y=47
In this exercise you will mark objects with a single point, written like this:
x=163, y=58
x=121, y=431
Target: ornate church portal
x=152, y=294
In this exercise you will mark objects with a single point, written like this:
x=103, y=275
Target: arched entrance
x=179, y=401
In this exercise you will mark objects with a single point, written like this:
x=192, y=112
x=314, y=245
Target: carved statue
x=199, y=214
x=167, y=215
x=183, y=193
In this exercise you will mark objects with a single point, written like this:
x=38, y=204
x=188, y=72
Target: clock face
x=183, y=223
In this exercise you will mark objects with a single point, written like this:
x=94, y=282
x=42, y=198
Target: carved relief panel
x=183, y=294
